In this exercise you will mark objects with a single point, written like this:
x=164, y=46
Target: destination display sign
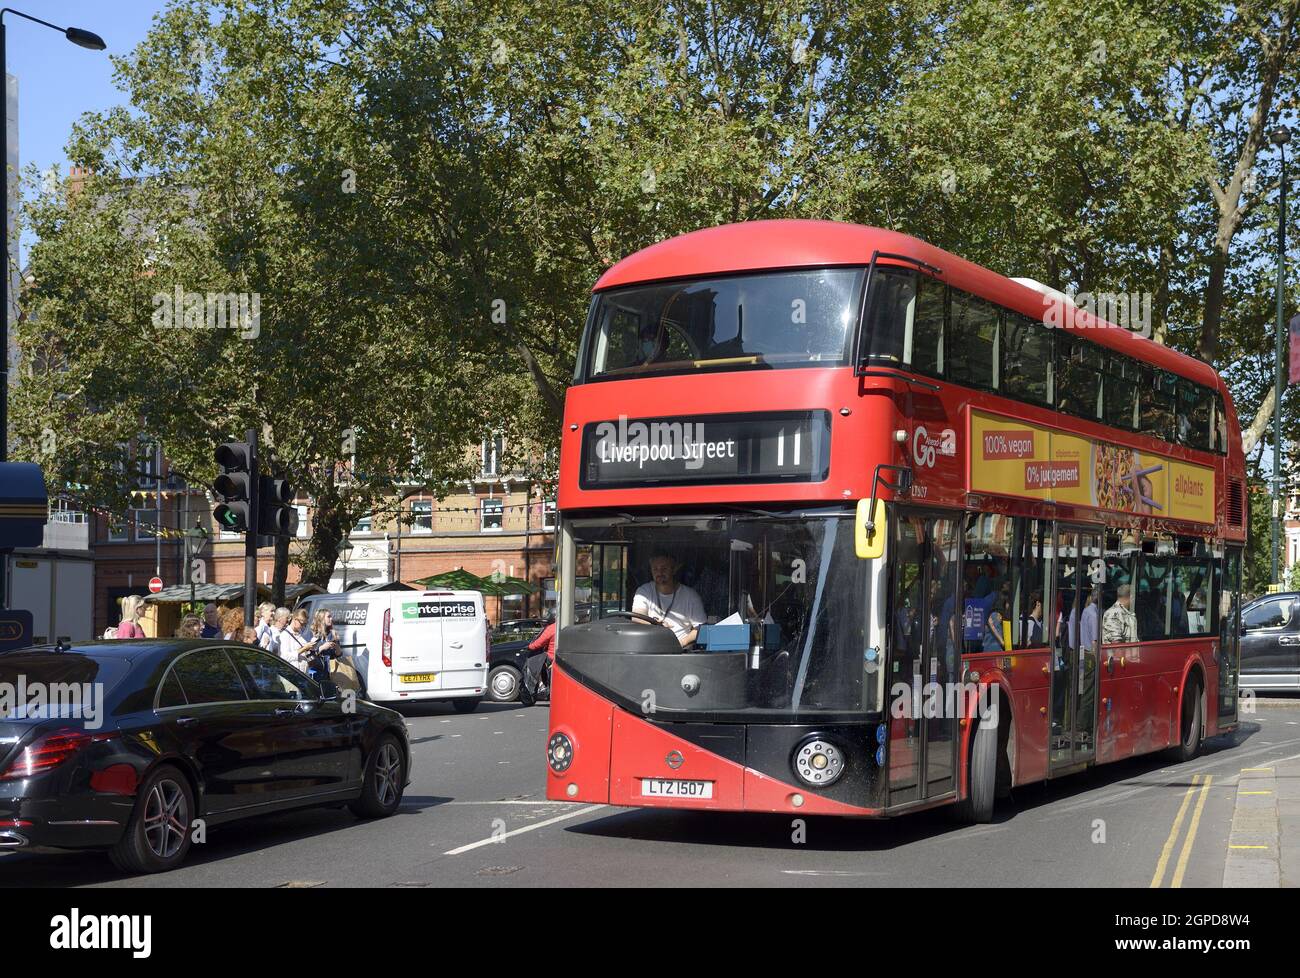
x=777, y=446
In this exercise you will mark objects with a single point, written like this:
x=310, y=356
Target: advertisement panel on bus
x=1014, y=457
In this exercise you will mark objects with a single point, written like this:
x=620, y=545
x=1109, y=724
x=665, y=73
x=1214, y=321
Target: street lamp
x=83, y=39
x=345, y=551
x=1279, y=137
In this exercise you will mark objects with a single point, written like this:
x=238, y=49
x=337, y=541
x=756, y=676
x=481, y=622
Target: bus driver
x=673, y=605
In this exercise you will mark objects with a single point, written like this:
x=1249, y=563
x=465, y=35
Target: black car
x=506, y=667
x=132, y=742
x=1270, y=642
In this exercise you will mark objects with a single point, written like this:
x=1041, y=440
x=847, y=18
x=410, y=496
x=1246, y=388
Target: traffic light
x=234, y=486
x=277, y=516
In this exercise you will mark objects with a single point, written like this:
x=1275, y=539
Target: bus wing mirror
x=869, y=529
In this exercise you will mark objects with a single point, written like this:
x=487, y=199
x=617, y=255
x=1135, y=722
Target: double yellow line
x=1199, y=781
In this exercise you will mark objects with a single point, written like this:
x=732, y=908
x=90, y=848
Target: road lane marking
x=512, y=801
x=1168, y=849
x=1185, y=855
x=1250, y=847
x=492, y=840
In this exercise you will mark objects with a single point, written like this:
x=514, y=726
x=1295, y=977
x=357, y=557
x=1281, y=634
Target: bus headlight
x=818, y=763
x=559, y=753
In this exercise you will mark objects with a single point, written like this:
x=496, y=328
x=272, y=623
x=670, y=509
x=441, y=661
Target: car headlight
x=818, y=763
x=559, y=753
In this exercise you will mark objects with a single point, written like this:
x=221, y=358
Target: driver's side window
x=269, y=678
x=1270, y=614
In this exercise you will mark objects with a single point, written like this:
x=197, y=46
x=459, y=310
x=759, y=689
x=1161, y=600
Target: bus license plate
x=674, y=788
x=419, y=677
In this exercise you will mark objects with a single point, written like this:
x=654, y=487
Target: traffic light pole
x=250, y=536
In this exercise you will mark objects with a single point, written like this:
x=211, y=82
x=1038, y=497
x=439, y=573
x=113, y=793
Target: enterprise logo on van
x=414, y=610
x=349, y=614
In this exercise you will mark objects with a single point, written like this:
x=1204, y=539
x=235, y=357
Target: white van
x=413, y=645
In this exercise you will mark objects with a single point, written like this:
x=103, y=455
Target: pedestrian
x=295, y=645
x=232, y=623
x=327, y=644
x=191, y=626
x=279, y=622
x=265, y=614
x=132, y=612
x=248, y=635
x=211, y=621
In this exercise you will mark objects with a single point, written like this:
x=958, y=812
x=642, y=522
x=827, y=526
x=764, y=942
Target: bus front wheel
x=982, y=776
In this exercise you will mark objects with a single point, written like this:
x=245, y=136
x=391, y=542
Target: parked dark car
x=154, y=734
x=1270, y=642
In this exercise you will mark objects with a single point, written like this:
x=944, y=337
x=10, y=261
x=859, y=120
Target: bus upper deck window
x=891, y=306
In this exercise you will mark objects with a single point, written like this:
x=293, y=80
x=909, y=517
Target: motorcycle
x=536, y=684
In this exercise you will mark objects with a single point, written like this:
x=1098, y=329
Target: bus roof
x=769, y=245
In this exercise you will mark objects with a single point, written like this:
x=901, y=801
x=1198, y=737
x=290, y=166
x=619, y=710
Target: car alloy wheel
x=388, y=773
x=166, y=819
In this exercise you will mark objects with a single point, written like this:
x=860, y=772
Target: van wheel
x=157, y=836
x=384, y=782
x=465, y=704
x=977, y=806
x=1189, y=725
x=503, y=684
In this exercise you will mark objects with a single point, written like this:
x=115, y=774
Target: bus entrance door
x=923, y=658
x=1081, y=575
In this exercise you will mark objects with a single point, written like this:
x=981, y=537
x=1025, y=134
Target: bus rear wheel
x=1189, y=726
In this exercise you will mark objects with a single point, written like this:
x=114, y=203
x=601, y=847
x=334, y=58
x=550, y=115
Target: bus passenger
x=673, y=605
x=1031, y=627
x=1088, y=623
x=1119, y=623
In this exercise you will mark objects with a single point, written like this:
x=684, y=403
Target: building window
x=422, y=517
x=146, y=524
x=548, y=514
x=491, y=451
x=117, y=531
x=364, y=524
x=490, y=514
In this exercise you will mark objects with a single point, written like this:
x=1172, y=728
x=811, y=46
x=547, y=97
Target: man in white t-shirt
x=673, y=605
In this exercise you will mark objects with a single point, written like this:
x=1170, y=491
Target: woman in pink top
x=132, y=612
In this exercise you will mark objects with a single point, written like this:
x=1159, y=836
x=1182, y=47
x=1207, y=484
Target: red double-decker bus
x=850, y=525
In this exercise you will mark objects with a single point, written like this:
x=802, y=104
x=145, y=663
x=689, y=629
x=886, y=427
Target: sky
x=58, y=81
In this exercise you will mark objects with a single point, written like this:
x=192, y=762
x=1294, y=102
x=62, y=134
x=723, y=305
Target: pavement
x=476, y=815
